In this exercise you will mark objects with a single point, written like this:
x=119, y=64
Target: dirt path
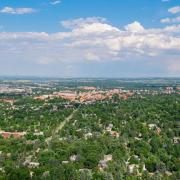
x=62, y=124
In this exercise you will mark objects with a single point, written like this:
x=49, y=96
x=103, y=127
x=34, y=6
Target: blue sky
x=117, y=12
x=90, y=38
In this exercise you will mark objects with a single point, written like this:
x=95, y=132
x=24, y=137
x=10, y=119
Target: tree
x=86, y=174
x=161, y=167
x=151, y=163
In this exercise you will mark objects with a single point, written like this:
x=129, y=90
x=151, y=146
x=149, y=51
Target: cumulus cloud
x=82, y=22
x=134, y=27
x=174, y=10
x=92, y=25
x=92, y=39
x=10, y=10
x=171, y=20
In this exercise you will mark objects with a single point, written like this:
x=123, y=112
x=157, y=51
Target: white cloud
x=92, y=39
x=174, y=10
x=134, y=27
x=171, y=20
x=92, y=25
x=91, y=56
x=81, y=22
x=55, y=2
x=165, y=0
x=10, y=10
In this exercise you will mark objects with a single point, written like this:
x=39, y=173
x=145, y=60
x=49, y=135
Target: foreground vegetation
x=136, y=138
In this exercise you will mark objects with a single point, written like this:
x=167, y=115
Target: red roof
x=7, y=135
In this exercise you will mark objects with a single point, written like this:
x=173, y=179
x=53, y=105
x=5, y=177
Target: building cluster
x=162, y=90
x=72, y=158
x=169, y=90
x=88, y=88
x=155, y=128
x=29, y=163
x=69, y=95
x=102, y=95
x=7, y=135
x=90, y=96
x=111, y=132
x=103, y=164
x=134, y=168
x=10, y=101
x=176, y=140
x=14, y=90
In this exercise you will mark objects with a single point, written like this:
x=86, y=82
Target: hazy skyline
x=90, y=38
